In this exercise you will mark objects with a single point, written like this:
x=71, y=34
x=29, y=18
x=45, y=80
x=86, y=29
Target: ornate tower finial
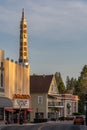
x=23, y=52
x=23, y=13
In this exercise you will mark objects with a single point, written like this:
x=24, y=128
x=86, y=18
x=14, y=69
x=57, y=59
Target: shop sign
x=23, y=103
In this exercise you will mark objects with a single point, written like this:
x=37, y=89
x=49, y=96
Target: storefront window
x=39, y=115
x=1, y=113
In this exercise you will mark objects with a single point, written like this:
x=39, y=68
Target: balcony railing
x=55, y=104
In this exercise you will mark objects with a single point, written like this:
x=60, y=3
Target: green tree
x=60, y=84
x=70, y=85
x=82, y=88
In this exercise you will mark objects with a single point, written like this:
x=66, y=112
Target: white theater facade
x=15, y=81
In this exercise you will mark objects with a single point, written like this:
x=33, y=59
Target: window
x=1, y=113
x=40, y=99
x=53, y=88
x=39, y=115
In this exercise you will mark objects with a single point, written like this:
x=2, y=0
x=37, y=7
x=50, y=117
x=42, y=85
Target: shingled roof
x=40, y=83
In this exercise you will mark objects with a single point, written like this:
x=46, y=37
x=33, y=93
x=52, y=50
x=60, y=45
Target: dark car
x=78, y=120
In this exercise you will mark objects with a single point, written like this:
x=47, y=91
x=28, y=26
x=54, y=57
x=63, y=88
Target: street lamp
x=20, y=103
x=20, y=106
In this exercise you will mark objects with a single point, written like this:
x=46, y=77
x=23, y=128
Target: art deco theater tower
x=23, y=52
x=17, y=74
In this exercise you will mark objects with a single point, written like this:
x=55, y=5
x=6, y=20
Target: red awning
x=30, y=110
x=9, y=109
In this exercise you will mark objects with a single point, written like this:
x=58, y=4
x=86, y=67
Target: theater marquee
x=23, y=103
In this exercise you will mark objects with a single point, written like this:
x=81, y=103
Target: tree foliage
x=74, y=86
x=70, y=85
x=82, y=84
x=78, y=87
x=60, y=84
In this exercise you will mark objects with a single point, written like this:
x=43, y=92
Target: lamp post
x=20, y=103
x=20, y=107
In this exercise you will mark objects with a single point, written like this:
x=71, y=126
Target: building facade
x=17, y=86
x=46, y=100
x=4, y=101
x=15, y=79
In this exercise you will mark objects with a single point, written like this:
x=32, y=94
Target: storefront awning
x=9, y=109
x=30, y=110
x=5, y=102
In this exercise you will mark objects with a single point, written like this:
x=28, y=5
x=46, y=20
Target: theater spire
x=23, y=51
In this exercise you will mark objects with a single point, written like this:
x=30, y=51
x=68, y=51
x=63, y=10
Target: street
x=44, y=126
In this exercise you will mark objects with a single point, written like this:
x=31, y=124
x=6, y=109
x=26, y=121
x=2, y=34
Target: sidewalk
x=2, y=122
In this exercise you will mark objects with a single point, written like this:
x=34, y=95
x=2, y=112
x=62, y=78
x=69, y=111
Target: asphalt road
x=64, y=127
x=44, y=126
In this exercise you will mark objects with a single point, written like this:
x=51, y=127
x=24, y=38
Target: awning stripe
x=9, y=109
x=30, y=110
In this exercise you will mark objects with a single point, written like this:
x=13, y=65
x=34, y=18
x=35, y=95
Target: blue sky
x=57, y=34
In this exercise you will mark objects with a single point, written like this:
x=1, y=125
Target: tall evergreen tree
x=70, y=85
x=60, y=84
x=82, y=88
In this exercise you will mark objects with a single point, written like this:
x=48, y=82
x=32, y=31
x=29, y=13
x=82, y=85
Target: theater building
x=15, y=79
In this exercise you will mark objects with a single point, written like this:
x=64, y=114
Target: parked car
x=84, y=117
x=78, y=120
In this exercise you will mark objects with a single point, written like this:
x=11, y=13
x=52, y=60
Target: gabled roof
x=40, y=83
